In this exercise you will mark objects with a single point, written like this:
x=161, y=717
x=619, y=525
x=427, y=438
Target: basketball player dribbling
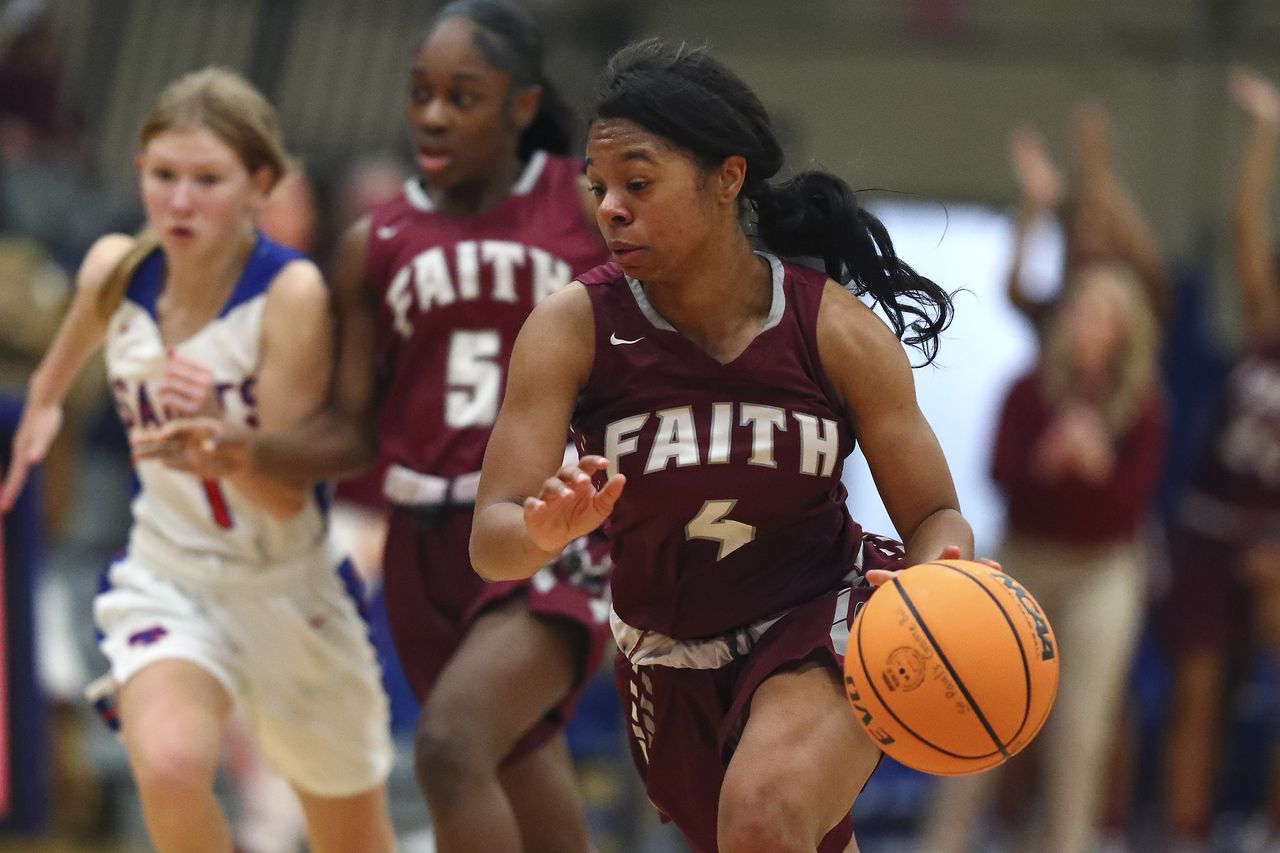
x=715, y=391
x=431, y=290
x=230, y=593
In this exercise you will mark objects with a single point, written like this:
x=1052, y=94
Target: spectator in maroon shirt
x=1077, y=456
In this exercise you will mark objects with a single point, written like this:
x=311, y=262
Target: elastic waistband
x=408, y=488
x=650, y=648
x=208, y=570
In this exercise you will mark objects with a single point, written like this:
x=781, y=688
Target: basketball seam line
x=875, y=691
x=1022, y=651
x=982, y=718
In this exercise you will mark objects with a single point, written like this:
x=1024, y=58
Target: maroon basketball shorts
x=433, y=597
x=686, y=702
x=1207, y=608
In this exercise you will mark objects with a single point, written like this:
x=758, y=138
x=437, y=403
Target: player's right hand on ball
x=569, y=505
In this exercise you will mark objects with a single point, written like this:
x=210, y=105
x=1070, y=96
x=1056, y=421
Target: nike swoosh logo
x=386, y=232
x=615, y=340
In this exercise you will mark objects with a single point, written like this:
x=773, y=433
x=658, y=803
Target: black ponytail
x=690, y=99
x=511, y=41
x=816, y=214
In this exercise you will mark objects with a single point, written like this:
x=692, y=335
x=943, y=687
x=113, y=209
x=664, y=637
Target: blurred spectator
x=46, y=191
x=1078, y=457
x=1099, y=218
x=1225, y=546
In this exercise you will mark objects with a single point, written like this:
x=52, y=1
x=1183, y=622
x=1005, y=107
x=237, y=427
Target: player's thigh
x=509, y=671
x=801, y=749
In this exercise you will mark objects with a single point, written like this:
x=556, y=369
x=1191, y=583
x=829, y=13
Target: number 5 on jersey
x=474, y=379
x=711, y=523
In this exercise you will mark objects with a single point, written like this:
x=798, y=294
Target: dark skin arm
x=1254, y=256
x=339, y=440
x=869, y=371
x=523, y=517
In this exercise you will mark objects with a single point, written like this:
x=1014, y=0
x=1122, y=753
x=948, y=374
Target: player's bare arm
x=1253, y=255
x=293, y=378
x=333, y=440
x=338, y=439
x=79, y=336
x=529, y=504
x=868, y=368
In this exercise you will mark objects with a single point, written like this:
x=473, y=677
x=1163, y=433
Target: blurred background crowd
x=1093, y=177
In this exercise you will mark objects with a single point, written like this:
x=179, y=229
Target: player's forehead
x=451, y=50
x=194, y=145
x=614, y=141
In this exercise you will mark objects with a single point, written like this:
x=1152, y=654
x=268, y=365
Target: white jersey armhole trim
x=776, y=308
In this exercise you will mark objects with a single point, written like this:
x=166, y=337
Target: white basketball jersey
x=174, y=509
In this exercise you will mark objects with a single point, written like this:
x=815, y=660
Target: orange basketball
x=951, y=667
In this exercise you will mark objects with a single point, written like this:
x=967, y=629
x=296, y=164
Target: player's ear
x=524, y=106
x=264, y=180
x=729, y=177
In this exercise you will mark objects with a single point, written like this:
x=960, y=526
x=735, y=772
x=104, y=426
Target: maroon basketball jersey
x=733, y=509
x=1242, y=465
x=453, y=293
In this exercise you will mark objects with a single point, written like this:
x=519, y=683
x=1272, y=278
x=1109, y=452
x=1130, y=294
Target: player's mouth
x=433, y=160
x=624, y=251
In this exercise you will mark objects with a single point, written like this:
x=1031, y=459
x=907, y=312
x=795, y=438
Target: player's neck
x=721, y=304
x=196, y=286
x=472, y=198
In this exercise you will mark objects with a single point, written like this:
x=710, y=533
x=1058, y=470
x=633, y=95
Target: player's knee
x=171, y=764
x=762, y=816
x=444, y=760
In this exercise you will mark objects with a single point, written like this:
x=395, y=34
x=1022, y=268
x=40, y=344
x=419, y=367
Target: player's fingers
x=14, y=479
x=992, y=564
x=951, y=552
x=553, y=489
x=192, y=430
x=608, y=496
x=185, y=385
x=592, y=464
x=879, y=577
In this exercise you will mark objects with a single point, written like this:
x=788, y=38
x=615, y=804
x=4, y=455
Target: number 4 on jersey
x=711, y=523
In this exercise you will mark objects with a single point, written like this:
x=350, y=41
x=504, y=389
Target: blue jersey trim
x=322, y=493
x=265, y=262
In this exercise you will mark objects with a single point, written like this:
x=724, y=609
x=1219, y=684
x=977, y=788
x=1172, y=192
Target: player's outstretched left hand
x=569, y=505
x=879, y=577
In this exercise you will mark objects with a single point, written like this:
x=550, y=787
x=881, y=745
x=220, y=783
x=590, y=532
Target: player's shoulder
x=846, y=321
x=568, y=307
x=296, y=286
x=606, y=273
x=103, y=257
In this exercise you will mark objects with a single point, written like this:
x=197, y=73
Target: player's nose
x=612, y=210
